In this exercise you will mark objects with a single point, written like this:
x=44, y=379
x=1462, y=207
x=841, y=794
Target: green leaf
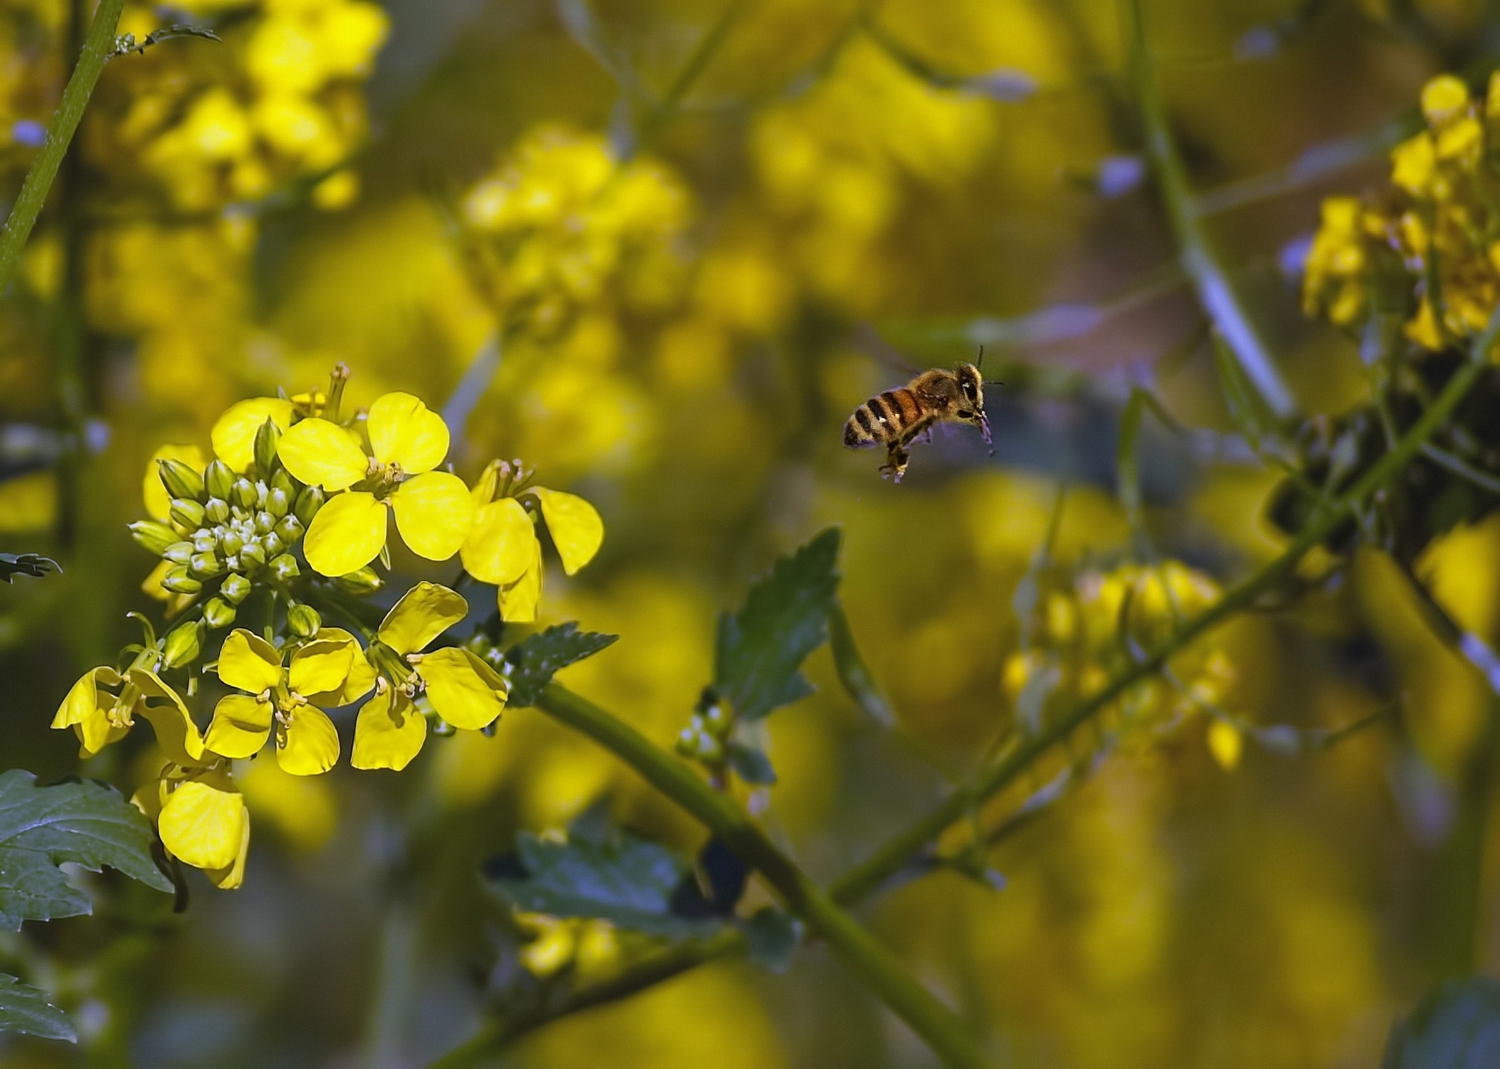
x=26, y=1009
x=771, y=938
x=627, y=881
x=88, y=824
x=853, y=673
x=1456, y=1027
x=750, y=764
x=534, y=661
x=14, y=564
x=784, y=619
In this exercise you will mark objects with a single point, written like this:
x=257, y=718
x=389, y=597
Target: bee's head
x=971, y=387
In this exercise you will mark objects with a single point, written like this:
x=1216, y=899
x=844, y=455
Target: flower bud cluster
x=707, y=733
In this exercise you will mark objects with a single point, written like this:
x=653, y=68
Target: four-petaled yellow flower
x=464, y=690
x=503, y=549
x=328, y=671
x=433, y=509
x=100, y=716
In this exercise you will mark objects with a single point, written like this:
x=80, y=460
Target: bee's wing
x=868, y=338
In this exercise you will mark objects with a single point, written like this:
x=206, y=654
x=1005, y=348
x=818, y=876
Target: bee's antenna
x=980, y=362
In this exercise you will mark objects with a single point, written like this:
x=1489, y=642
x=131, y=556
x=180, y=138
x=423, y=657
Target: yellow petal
x=227, y=879
x=575, y=526
x=361, y=674
x=464, y=690
x=484, y=488
x=248, y=662
x=501, y=543
x=323, y=454
x=404, y=431
x=176, y=734
x=240, y=726
x=86, y=697
x=320, y=667
x=388, y=733
x=158, y=501
x=433, y=513
x=518, y=601
x=423, y=613
x=203, y=822
x=346, y=534
x=233, y=435
x=312, y=743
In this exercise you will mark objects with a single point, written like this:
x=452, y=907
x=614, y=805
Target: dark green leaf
x=42, y=827
x=14, y=564
x=785, y=618
x=1456, y=1027
x=771, y=938
x=750, y=764
x=27, y=1009
x=622, y=879
x=534, y=661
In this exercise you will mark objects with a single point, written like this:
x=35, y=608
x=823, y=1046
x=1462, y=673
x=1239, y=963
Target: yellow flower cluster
x=562, y=224
x=1434, y=246
x=209, y=124
x=290, y=485
x=1087, y=630
x=590, y=946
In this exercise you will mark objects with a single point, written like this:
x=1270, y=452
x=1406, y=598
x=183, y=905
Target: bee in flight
x=896, y=417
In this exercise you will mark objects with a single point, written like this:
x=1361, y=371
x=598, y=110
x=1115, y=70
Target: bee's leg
x=895, y=461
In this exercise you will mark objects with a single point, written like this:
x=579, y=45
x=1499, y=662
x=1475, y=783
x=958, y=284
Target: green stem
x=663, y=113
x=895, y=853
x=75, y=97
x=877, y=967
x=1199, y=257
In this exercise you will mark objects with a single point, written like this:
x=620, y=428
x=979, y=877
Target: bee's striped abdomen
x=883, y=419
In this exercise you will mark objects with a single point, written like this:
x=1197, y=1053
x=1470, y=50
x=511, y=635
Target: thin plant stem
x=666, y=109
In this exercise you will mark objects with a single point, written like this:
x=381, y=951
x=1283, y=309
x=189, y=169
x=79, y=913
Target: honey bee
x=896, y=417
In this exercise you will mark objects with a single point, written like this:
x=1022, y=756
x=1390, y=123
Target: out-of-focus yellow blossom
x=503, y=549
x=28, y=502
x=461, y=688
x=433, y=509
x=590, y=946
x=1431, y=246
x=562, y=223
x=328, y=671
x=1085, y=632
x=304, y=810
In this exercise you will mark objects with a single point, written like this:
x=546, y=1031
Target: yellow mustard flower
x=463, y=690
x=503, y=549
x=433, y=509
x=328, y=671
x=202, y=820
x=100, y=715
x=233, y=434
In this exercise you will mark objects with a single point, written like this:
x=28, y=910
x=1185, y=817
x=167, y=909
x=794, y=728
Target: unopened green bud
x=266, y=437
x=272, y=544
x=182, y=644
x=364, y=581
x=284, y=482
x=187, y=512
x=178, y=581
x=243, y=494
x=180, y=480
x=687, y=742
x=179, y=552
x=252, y=556
x=265, y=523
x=441, y=727
x=203, y=541
x=285, y=567
x=218, y=613
x=710, y=749
x=309, y=501
x=152, y=536
x=235, y=588
x=230, y=543
x=278, y=503
x=302, y=619
x=218, y=479
x=289, y=530
x=205, y=566
x=216, y=509
x=717, y=721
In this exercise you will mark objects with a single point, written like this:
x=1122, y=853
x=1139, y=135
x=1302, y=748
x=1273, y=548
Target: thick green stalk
x=875, y=966
x=898, y=850
x=1199, y=257
x=96, y=52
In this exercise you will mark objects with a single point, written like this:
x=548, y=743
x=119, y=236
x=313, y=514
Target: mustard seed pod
x=278, y=502
x=235, y=588
x=152, y=536
x=309, y=501
x=218, y=479
x=187, y=512
x=303, y=619
x=243, y=494
x=289, y=529
x=182, y=644
x=218, y=613
x=179, y=552
x=180, y=480
x=266, y=437
x=364, y=581
x=216, y=509
x=252, y=556
x=285, y=567
x=178, y=581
